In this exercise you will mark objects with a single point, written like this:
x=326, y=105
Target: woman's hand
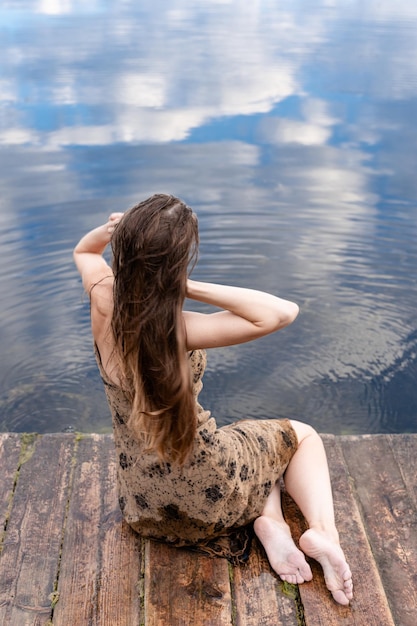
x=112, y=222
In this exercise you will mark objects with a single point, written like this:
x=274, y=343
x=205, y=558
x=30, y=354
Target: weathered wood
x=121, y=556
x=319, y=607
x=90, y=591
x=68, y=558
x=367, y=608
x=389, y=516
x=405, y=452
x=77, y=582
x=31, y=548
x=261, y=598
x=9, y=464
x=183, y=587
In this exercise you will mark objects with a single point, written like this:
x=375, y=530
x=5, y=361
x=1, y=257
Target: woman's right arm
x=246, y=315
x=89, y=250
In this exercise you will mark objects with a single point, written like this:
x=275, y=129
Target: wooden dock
x=68, y=559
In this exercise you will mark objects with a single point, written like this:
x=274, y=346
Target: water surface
x=289, y=127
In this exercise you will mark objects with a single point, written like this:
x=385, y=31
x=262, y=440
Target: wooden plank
x=101, y=569
x=260, y=597
x=96, y=541
x=183, y=587
x=119, y=595
x=9, y=464
x=31, y=549
x=389, y=515
x=404, y=448
x=77, y=583
x=370, y=609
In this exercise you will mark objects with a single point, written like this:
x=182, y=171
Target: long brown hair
x=153, y=246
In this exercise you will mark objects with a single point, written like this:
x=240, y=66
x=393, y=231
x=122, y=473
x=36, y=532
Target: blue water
x=288, y=126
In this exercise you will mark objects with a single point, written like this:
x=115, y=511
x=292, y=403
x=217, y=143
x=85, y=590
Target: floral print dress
x=219, y=491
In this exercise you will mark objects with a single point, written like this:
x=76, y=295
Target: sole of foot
x=283, y=555
x=329, y=554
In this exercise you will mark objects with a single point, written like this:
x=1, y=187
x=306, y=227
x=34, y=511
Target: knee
x=303, y=430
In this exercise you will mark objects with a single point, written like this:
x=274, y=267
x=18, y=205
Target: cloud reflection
x=158, y=74
x=288, y=136
x=151, y=79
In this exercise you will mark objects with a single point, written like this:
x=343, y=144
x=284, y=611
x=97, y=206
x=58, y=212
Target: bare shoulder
x=93, y=269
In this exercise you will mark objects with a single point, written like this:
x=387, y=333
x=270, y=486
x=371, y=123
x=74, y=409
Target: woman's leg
x=308, y=483
x=274, y=533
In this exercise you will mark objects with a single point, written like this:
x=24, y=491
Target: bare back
x=101, y=299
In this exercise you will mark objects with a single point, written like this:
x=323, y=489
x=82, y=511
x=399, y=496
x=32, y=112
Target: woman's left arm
x=88, y=253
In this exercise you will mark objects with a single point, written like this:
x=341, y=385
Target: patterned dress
x=220, y=490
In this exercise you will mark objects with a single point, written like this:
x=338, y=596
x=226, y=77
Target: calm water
x=289, y=127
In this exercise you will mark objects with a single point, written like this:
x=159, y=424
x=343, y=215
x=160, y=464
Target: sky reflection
x=288, y=126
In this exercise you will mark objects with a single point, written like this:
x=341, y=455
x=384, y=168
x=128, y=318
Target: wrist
x=195, y=289
x=94, y=241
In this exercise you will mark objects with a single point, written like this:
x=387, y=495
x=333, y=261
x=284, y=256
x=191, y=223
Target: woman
x=181, y=479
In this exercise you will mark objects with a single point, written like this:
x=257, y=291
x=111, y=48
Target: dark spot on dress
x=206, y=436
x=172, y=511
x=199, y=460
x=267, y=487
x=242, y=432
x=122, y=503
x=213, y=493
x=197, y=375
x=287, y=439
x=263, y=444
x=218, y=527
x=197, y=370
x=118, y=418
x=231, y=470
x=244, y=473
x=158, y=469
x=141, y=501
x=123, y=461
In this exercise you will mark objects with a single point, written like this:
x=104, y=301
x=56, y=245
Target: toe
x=306, y=572
x=340, y=597
x=294, y=579
x=289, y=578
x=301, y=578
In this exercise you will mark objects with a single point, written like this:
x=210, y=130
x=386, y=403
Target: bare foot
x=283, y=555
x=329, y=554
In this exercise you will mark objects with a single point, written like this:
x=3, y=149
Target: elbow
x=76, y=250
x=77, y=256
x=285, y=316
x=293, y=312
